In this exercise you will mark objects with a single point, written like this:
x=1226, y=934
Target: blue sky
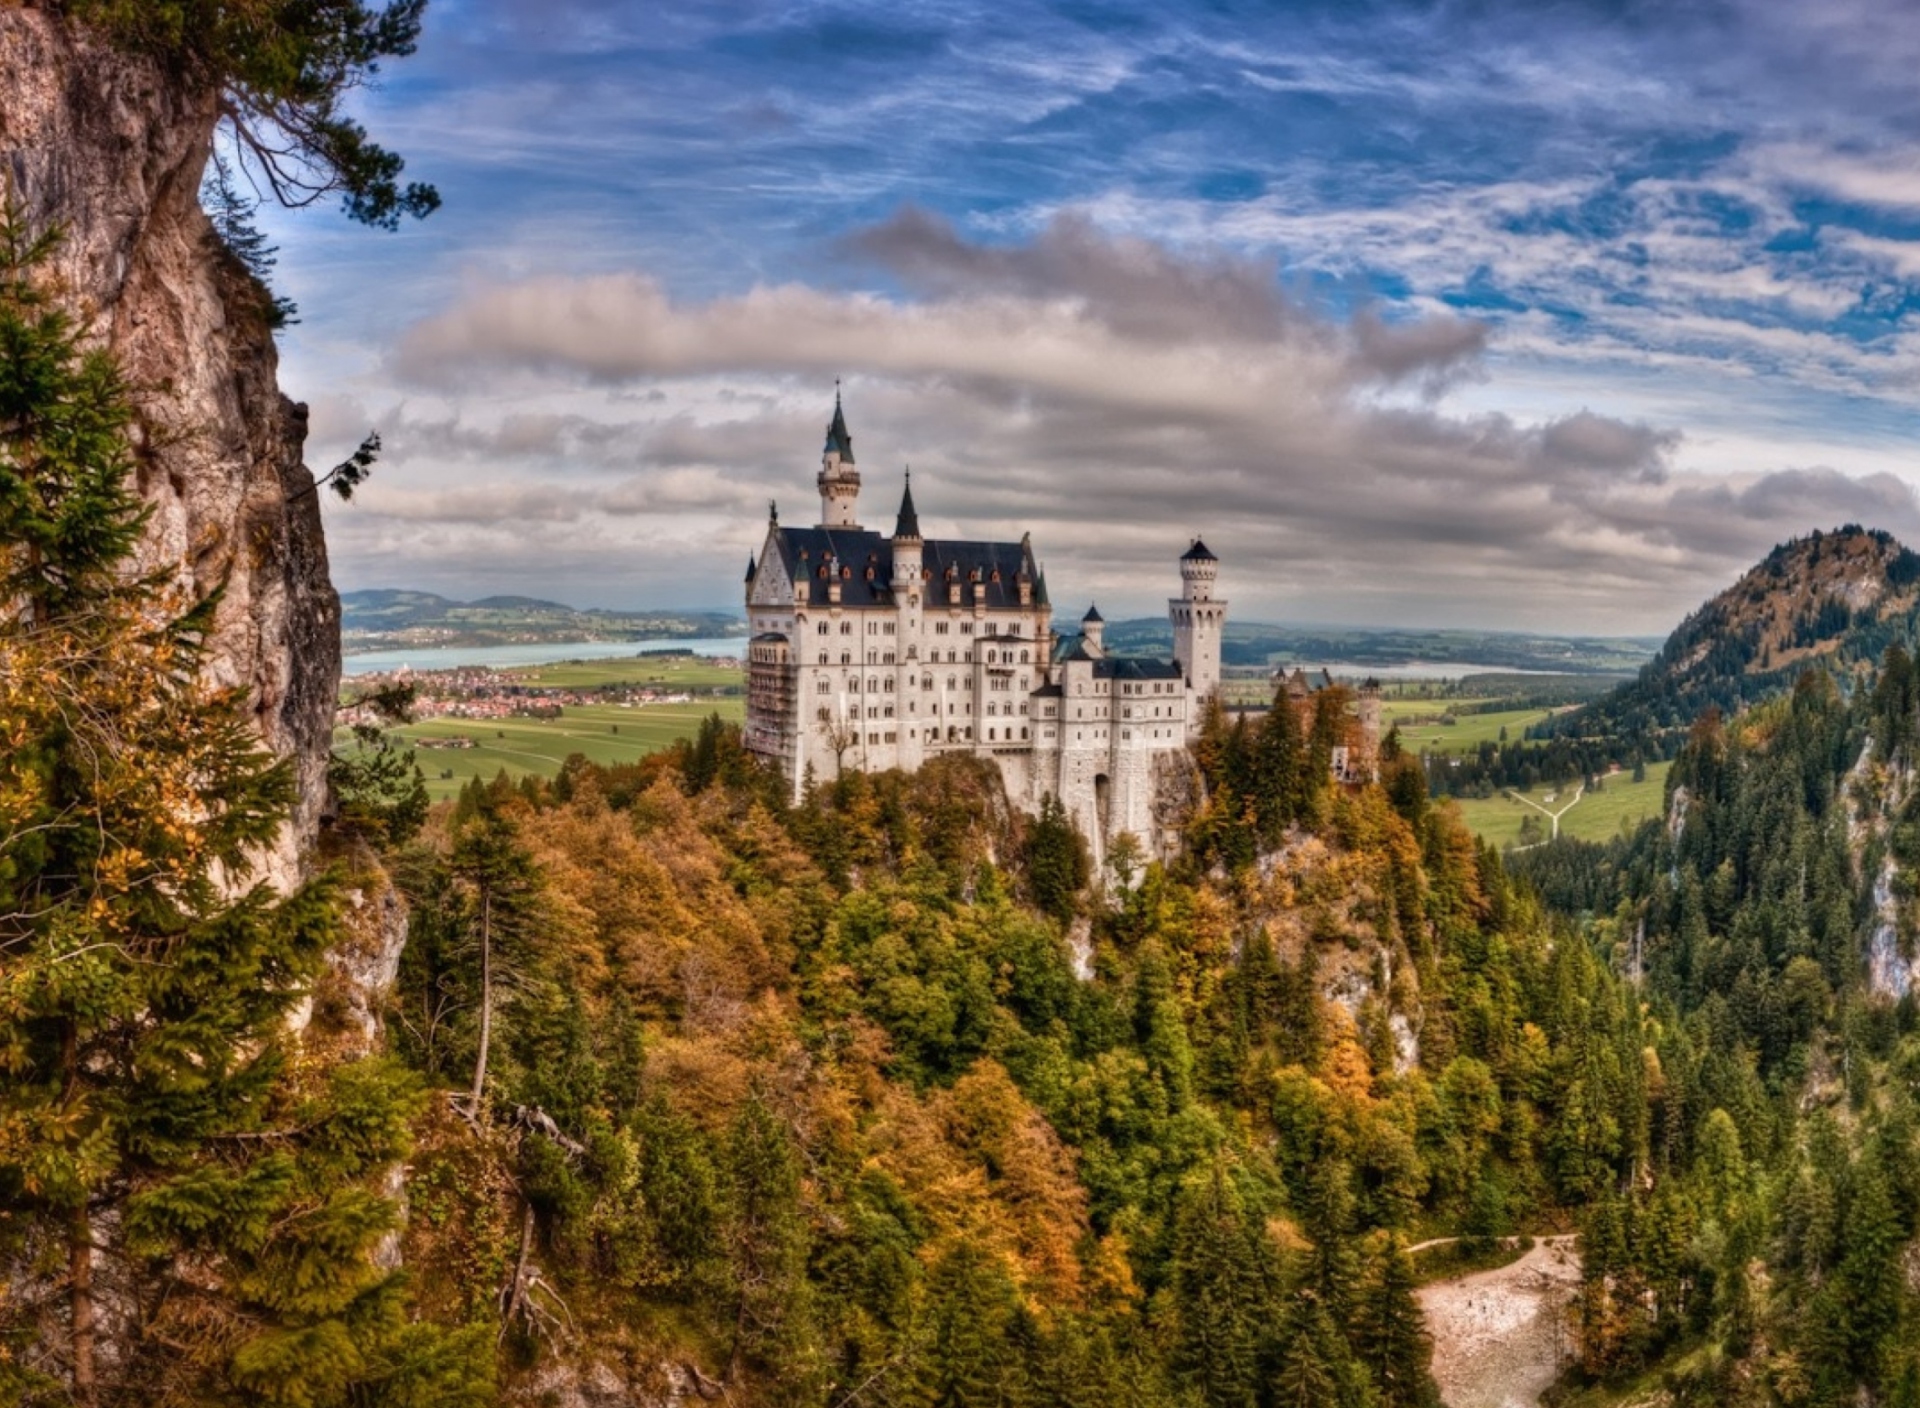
x=1545, y=316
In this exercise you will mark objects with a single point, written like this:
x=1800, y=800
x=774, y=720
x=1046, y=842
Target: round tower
x=1093, y=631
x=839, y=481
x=1199, y=618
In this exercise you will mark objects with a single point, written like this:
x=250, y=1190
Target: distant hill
x=1259, y=643
x=1836, y=598
x=388, y=618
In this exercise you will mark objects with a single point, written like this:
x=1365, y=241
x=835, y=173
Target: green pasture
x=1421, y=730
x=1595, y=817
x=605, y=733
x=658, y=671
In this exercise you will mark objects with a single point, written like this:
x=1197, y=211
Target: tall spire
x=837, y=435
x=908, y=525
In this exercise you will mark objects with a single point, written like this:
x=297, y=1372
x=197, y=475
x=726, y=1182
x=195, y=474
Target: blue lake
x=465, y=657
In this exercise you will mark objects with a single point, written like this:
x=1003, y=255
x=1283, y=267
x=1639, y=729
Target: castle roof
x=1116, y=667
x=1199, y=552
x=1093, y=615
x=838, y=437
x=752, y=567
x=862, y=560
x=908, y=524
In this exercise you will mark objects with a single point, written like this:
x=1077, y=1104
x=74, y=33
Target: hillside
x=1839, y=597
x=1263, y=643
x=387, y=618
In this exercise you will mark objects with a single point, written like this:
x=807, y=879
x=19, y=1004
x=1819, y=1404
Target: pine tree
x=154, y=1101
x=1390, y=1334
x=1219, y=1286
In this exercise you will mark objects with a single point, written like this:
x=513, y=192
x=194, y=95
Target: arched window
x=846, y=657
x=823, y=628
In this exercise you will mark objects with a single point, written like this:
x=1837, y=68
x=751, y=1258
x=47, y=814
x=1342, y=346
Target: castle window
x=823, y=628
x=950, y=683
x=1023, y=657
x=992, y=656
x=886, y=657
x=855, y=684
x=889, y=686
x=889, y=630
x=889, y=712
x=927, y=682
x=846, y=628
x=913, y=652
x=966, y=628
x=939, y=628
x=823, y=715
x=823, y=657
x=846, y=657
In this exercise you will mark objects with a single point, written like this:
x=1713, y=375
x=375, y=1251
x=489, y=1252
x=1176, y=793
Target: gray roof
x=837, y=436
x=863, y=560
x=1199, y=552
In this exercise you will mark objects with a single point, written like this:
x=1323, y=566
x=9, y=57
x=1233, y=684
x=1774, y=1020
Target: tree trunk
x=86, y=1391
x=486, y=998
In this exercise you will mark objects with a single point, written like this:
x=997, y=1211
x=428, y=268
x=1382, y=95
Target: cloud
x=1112, y=394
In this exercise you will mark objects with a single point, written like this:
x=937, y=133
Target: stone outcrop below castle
x=111, y=149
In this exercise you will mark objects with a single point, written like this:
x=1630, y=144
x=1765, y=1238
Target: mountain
x=386, y=617
x=1840, y=598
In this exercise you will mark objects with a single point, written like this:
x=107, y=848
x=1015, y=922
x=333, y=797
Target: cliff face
x=111, y=149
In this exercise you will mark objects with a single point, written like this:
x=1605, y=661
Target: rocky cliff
x=111, y=149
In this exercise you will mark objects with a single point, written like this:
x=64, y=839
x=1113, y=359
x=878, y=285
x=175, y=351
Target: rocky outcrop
x=111, y=149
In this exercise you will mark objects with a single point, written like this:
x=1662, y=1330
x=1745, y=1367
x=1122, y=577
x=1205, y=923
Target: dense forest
x=889, y=1097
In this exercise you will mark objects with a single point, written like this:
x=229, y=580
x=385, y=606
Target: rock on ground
x=1500, y=1336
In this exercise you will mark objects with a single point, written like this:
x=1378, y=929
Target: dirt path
x=1499, y=1336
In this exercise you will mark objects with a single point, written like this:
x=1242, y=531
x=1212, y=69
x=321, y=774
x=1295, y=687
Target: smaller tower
x=1199, y=618
x=839, y=481
x=1093, y=629
x=907, y=544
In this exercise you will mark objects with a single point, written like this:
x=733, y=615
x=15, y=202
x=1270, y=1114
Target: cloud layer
x=1560, y=325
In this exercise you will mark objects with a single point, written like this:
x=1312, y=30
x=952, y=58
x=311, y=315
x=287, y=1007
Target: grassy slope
x=541, y=745
x=1598, y=815
x=1420, y=729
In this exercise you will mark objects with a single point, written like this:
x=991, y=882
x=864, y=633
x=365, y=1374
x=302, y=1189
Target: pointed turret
x=908, y=524
x=839, y=481
x=1093, y=629
x=838, y=440
x=753, y=569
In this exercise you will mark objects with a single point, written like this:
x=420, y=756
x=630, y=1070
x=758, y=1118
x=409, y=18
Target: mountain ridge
x=1839, y=597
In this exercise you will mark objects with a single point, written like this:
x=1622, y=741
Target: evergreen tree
x=1219, y=1287
x=1390, y=1334
x=155, y=1102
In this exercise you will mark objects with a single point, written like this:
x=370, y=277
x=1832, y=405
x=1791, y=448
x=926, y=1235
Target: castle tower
x=1093, y=630
x=839, y=481
x=1198, y=619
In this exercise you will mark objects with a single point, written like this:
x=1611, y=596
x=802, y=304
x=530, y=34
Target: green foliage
x=283, y=70
x=157, y=1107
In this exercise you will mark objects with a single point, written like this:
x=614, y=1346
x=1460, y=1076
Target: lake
x=466, y=657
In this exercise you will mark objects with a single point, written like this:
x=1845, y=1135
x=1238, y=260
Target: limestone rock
x=111, y=149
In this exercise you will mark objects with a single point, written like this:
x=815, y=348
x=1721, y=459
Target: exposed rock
x=111, y=149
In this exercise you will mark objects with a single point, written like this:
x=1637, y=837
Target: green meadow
x=1595, y=817
x=1421, y=730
x=605, y=733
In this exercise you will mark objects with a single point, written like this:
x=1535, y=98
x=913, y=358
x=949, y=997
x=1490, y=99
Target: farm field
x=1597, y=816
x=660, y=671
x=541, y=745
x=1420, y=729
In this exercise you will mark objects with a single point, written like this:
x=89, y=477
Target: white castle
x=877, y=651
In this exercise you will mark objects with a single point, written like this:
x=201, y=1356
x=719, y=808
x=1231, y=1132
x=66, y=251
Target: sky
x=1535, y=316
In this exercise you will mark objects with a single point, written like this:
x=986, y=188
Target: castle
x=871, y=650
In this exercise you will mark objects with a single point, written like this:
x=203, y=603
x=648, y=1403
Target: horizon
x=1547, y=320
